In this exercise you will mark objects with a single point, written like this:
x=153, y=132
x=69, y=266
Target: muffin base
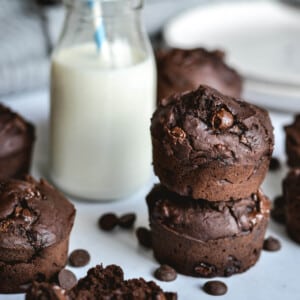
x=44, y=265
x=213, y=181
x=220, y=257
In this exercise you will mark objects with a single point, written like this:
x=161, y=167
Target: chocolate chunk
x=144, y=237
x=79, y=258
x=274, y=164
x=108, y=221
x=127, y=220
x=223, y=119
x=165, y=273
x=205, y=270
x=66, y=279
x=178, y=133
x=215, y=288
x=272, y=244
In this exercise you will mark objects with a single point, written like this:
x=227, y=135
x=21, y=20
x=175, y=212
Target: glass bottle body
x=101, y=104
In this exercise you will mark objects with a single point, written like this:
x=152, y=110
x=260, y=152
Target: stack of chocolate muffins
x=211, y=153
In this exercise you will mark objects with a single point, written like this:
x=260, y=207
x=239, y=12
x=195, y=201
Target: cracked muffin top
x=205, y=220
x=203, y=125
x=33, y=215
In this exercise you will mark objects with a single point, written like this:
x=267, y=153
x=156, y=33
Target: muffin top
x=206, y=220
x=15, y=133
x=181, y=70
x=203, y=125
x=33, y=215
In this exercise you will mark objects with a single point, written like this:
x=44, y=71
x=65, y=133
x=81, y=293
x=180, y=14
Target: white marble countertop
x=274, y=277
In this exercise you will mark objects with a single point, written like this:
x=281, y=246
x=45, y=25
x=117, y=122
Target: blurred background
x=30, y=28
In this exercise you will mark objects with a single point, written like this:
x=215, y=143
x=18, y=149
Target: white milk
x=100, y=119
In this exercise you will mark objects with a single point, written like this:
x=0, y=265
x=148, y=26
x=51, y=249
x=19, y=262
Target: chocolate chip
x=215, y=288
x=127, y=220
x=205, y=270
x=223, y=119
x=171, y=296
x=108, y=221
x=274, y=164
x=271, y=244
x=165, y=273
x=144, y=237
x=79, y=258
x=66, y=279
x=178, y=133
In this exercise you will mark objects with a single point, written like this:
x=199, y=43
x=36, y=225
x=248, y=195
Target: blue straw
x=99, y=34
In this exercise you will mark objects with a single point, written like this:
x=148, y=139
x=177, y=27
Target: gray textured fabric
x=24, y=46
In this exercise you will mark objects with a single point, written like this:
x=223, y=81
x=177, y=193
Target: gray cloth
x=28, y=31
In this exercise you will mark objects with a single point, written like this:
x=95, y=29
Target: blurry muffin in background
x=180, y=70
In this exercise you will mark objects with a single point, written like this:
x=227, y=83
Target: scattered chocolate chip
x=271, y=244
x=108, y=221
x=144, y=237
x=170, y=296
x=66, y=279
x=79, y=258
x=274, y=164
x=223, y=119
x=205, y=270
x=127, y=220
x=165, y=273
x=278, y=210
x=215, y=288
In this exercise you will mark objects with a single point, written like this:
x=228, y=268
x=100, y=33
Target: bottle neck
x=118, y=21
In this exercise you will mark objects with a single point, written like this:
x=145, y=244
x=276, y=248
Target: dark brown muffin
x=291, y=192
x=207, y=239
x=180, y=70
x=16, y=144
x=102, y=284
x=292, y=142
x=35, y=224
x=210, y=146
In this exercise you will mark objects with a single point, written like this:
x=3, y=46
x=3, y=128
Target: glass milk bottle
x=103, y=89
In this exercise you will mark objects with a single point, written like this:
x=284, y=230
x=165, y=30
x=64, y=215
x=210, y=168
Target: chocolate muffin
x=207, y=239
x=291, y=192
x=35, y=224
x=16, y=144
x=180, y=70
x=102, y=284
x=210, y=146
x=292, y=142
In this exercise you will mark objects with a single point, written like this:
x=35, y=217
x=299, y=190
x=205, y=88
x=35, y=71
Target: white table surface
x=275, y=276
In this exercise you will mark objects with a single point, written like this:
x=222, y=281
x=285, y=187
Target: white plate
x=261, y=38
x=274, y=277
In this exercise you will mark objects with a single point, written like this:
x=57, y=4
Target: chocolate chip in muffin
x=66, y=279
x=165, y=273
x=222, y=120
x=215, y=288
x=272, y=244
x=144, y=237
x=108, y=221
x=79, y=258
